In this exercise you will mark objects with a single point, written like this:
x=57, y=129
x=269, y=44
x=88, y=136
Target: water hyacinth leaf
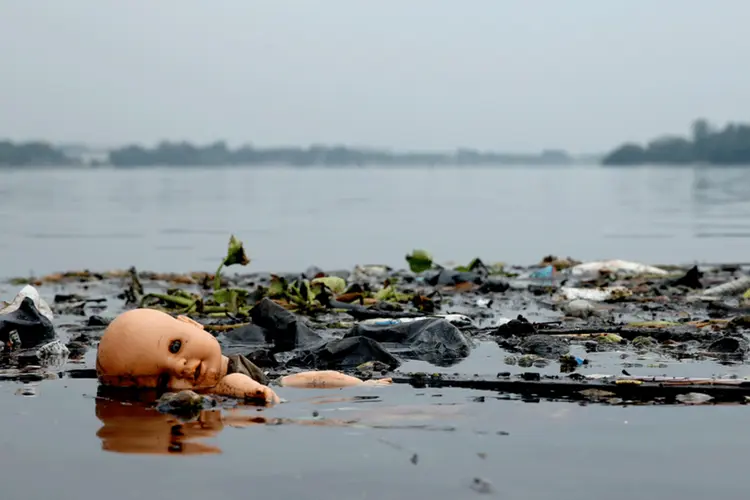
x=335, y=284
x=299, y=292
x=135, y=283
x=235, y=255
x=231, y=298
x=172, y=301
x=278, y=287
x=419, y=261
x=390, y=294
x=304, y=291
x=230, y=295
x=475, y=265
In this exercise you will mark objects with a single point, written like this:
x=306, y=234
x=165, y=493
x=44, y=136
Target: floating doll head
x=151, y=349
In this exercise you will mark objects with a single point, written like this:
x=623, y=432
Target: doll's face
x=149, y=348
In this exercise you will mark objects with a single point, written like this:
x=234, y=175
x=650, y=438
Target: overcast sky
x=497, y=74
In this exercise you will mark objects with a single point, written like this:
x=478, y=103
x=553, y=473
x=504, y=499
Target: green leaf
x=228, y=295
x=305, y=292
x=299, y=292
x=390, y=294
x=236, y=253
x=335, y=284
x=232, y=298
x=278, y=287
x=419, y=261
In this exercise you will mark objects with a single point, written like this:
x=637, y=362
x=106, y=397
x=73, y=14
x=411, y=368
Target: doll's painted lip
x=198, y=370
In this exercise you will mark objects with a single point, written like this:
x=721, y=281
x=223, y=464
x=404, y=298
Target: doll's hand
x=237, y=385
x=379, y=382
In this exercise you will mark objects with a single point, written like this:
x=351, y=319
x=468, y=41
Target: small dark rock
x=96, y=320
x=691, y=279
x=183, y=403
x=494, y=285
x=77, y=349
x=71, y=297
x=519, y=326
x=739, y=323
x=547, y=346
x=728, y=345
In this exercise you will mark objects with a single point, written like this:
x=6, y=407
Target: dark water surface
x=370, y=443
x=172, y=219
x=53, y=449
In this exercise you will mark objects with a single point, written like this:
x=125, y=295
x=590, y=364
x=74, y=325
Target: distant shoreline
x=183, y=154
x=707, y=146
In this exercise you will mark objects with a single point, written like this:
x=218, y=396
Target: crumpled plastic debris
x=619, y=267
x=52, y=355
x=734, y=287
x=459, y=320
x=32, y=293
x=594, y=294
x=27, y=321
x=547, y=272
x=580, y=308
x=365, y=272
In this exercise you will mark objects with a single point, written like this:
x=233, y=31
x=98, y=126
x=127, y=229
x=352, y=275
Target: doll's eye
x=175, y=346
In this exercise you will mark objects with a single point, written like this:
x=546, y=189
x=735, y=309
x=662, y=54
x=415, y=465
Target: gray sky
x=498, y=74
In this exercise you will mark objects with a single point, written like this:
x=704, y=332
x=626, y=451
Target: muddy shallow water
x=467, y=446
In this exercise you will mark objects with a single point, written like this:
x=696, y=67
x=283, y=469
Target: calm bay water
x=426, y=443
x=179, y=219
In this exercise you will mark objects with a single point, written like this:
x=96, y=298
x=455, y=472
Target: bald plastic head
x=149, y=348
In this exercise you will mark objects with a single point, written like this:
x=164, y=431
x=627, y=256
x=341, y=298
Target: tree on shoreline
x=707, y=145
x=34, y=153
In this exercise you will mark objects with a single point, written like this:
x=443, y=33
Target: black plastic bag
x=345, y=353
x=434, y=340
x=284, y=329
x=32, y=326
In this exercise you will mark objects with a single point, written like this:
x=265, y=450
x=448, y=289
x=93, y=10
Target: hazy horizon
x=582, y=76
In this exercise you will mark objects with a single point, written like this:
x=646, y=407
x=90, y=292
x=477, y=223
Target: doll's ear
x=189, y=321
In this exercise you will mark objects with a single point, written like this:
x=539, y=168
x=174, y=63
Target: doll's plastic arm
x=238, y=385
x=326, y=379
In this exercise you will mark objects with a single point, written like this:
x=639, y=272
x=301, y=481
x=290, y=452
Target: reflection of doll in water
x=136, y=428
x=150, y=349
